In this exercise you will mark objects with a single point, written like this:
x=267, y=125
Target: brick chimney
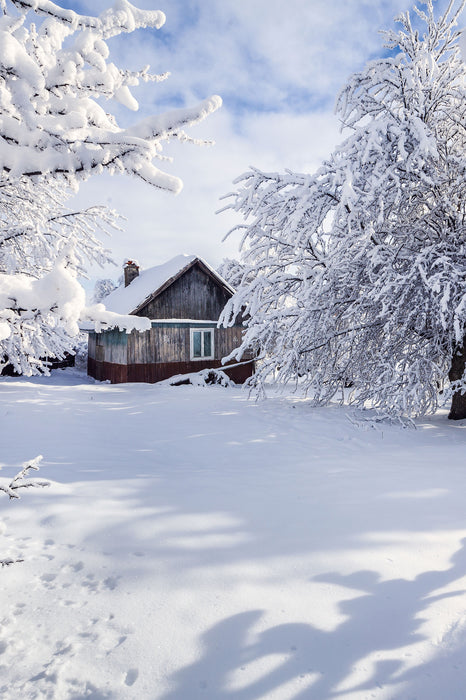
x=131, y=270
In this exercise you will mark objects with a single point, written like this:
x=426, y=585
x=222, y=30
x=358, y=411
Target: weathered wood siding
x=172, y=344
x=227, y=339
x=107, y=355
x=107, y=371
x=111, y=346
x=159, y=344
x=91, y=345
x=194, y=295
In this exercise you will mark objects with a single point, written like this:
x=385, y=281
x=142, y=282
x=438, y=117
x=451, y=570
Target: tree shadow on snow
x=243, y=661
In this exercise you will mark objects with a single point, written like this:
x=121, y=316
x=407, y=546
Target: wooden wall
x=159, y=344
x=109, y=346
x=91, y=338
x=157, y=371
x=172, y=344
x=193, y=295
x=159, y=353
x=108, y=356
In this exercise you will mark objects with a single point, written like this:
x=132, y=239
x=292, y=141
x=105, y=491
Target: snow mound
x=206, y=377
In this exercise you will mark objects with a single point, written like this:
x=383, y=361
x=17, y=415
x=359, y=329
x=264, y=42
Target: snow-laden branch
x=123, y=17
x=51, y=79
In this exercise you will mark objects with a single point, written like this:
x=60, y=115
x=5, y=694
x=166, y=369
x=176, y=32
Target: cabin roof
x=153, y=281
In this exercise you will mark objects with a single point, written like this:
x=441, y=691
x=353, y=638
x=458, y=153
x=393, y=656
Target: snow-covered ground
x=197, y=545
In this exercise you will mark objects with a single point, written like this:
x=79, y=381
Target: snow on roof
x=124, y=300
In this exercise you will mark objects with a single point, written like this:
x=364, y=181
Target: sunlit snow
x=196, y=544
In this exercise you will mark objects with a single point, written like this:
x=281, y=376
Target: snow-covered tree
x=38, y=236
x=357, y=274
x=56, y=130
x=231, y=270
x=102, y=289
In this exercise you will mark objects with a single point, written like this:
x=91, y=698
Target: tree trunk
x=458, y=403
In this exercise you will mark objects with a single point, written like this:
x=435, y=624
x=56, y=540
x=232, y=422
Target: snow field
x=194, y=544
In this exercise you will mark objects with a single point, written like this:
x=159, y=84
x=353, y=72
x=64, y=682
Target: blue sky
x=278, y=66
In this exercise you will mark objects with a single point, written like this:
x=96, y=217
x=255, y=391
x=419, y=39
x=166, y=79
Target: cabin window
x=202, y=344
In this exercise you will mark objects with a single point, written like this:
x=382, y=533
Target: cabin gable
x=194, y=294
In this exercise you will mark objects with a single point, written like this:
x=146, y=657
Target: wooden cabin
x=184, y=299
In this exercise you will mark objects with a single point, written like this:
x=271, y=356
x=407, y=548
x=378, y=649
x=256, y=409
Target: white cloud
x=278, y=65
x=160, y=226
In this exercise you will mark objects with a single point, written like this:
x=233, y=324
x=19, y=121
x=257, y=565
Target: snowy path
x=196, y=545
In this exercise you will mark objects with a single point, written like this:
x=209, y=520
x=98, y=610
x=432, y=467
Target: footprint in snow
x=131, y=676
x=73, y=568
x=111, y=582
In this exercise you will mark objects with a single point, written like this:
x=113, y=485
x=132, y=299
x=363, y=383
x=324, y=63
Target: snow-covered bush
x=357, y=274
x=56, y=131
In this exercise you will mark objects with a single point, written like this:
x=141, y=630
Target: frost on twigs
x=355, y=276
x=53, y=76
x=20, y=481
